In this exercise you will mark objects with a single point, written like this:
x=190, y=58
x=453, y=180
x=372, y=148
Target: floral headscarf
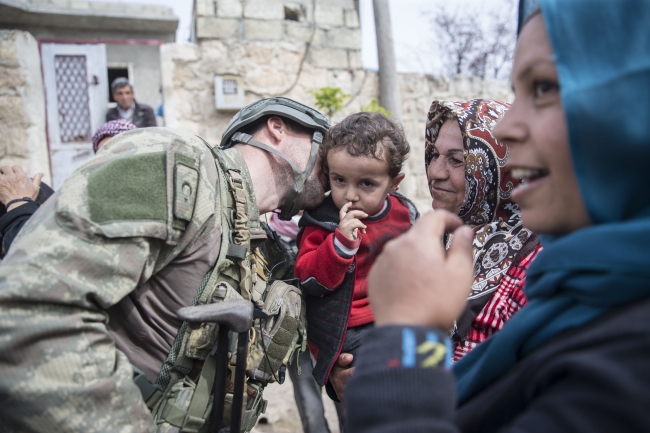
x=500, y=239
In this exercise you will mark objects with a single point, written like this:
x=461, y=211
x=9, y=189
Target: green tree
x=329, y=99
x=374, y=107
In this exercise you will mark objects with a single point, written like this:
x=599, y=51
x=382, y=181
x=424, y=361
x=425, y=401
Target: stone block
x=264, y=9
x=263, y=30
x=298, y=32
x=183, y=52
x=345, y=38
x=229, y=9
x=11, y=80
x=351, y=18
x=205, y=8
x=212, y=27
x=328, y=15
x=301, y=33
x=22, y=104
x=328, y=58
x=354, y=59
x=215, y=52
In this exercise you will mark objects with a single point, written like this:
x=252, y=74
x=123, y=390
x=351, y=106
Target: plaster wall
x=22, y=105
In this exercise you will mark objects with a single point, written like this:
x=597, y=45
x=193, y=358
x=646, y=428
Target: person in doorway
x=575, y=359
x=90, y=291
x=141, y=115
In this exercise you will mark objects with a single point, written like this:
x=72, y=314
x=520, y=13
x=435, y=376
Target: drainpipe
x=389, y=96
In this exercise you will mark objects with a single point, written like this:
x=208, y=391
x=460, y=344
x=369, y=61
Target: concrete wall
x=82, y=19
x=254, y=40
x=22, y=104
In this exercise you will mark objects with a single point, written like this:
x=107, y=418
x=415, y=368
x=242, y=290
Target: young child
x=340, y=240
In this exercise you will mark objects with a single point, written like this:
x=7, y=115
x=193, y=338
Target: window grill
x=72, y=95
x=229, y=87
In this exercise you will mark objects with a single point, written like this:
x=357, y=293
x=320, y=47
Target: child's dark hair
x=369, y=134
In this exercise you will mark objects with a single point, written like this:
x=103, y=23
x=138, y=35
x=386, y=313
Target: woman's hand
x=14, y=184
x=414, y=281
x=350, y=222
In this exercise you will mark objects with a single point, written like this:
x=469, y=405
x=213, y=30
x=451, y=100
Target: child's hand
x=350, y=222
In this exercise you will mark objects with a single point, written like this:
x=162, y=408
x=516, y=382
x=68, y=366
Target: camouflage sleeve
x=88, y=247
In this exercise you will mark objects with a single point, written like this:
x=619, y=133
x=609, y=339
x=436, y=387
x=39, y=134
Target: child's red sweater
x=327, y=256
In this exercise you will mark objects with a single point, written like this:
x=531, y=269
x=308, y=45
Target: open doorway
x=114, y=73
x=117, y=71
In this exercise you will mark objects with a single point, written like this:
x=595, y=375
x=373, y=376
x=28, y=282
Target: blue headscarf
x=602, y=53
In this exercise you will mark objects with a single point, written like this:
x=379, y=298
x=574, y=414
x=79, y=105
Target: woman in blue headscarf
x=577, y=357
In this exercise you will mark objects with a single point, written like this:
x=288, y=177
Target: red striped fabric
x=508, y=299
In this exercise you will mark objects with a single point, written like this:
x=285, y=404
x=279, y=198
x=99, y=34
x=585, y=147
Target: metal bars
x=72, y=95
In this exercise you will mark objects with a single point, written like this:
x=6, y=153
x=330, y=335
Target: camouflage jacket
x=131, y=232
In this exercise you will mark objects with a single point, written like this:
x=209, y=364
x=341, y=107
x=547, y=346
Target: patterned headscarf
x=500, y=240
x=589, y=272
x=111, y=129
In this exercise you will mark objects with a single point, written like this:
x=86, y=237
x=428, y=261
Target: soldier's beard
x=314, y=193
x=313, y=190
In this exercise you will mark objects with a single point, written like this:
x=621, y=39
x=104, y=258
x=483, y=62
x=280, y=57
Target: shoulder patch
x=132, y=188
x=186, y=179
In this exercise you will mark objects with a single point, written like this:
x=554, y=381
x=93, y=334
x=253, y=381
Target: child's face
x=361, y=180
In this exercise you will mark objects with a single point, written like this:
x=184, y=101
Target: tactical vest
x=181, y=399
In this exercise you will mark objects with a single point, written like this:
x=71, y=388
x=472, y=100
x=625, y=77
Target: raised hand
x=350, y=222
x=14, y=184
x=415, y=281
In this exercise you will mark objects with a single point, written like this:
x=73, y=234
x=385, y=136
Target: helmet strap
x=294, y=197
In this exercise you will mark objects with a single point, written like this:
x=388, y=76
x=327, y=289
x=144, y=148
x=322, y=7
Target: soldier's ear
x=277, y=128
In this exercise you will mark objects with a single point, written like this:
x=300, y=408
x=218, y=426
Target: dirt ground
x=282, y=414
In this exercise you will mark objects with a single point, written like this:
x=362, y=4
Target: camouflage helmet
x=283, y=107
x=290, y=109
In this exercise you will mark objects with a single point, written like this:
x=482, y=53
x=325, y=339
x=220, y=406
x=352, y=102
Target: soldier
x=93, y=284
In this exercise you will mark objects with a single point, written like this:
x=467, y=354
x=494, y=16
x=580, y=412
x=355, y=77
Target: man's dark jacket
x=143, y=116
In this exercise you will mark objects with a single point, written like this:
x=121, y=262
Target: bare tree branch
x=473, y=42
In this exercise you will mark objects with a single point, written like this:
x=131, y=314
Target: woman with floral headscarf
x=466, y=173
x=575, y=359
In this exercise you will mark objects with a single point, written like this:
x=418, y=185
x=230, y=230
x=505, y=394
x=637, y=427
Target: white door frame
x=66, y=157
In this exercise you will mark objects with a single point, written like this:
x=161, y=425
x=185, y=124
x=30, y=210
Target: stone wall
x=255, y=40
x=22, y=105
